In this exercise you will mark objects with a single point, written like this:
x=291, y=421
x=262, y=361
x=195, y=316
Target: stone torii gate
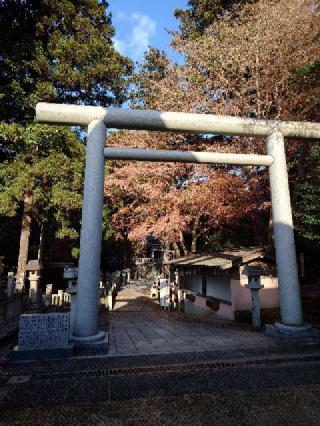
x=98, y=119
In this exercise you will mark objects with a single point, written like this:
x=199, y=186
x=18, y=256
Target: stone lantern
x=254, y=285
x=34, y=268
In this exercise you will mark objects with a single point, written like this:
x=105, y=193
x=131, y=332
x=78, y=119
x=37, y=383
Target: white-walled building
x=216, y=282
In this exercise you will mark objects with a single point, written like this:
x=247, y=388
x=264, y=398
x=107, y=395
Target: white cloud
x=119, y=45
x=120, y=15
x=136, y=41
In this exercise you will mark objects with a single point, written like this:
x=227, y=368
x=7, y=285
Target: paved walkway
x=183, y=356
x=139, y=326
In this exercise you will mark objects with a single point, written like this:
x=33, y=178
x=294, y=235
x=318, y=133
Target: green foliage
x=308, y=70
x=230, y=237
x=46, y=165
x=75, y=252
x=308, y=198
x=58, y=50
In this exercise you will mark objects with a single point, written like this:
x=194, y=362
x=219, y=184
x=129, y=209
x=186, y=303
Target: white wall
x=219, y=287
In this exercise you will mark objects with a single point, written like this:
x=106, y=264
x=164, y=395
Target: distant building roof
x=223, y=260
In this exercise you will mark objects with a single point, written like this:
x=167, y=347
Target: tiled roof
x=224, y=260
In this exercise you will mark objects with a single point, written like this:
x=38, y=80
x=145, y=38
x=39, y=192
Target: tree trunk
x=24, y=244
x=194, y=242
x=194, y=236
x=166, y=252
x=177, y=250
x=41, y=243
x=184, y=248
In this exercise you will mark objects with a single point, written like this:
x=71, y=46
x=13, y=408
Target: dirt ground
x=297, y=405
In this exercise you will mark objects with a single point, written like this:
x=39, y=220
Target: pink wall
x=241, y=296
x=224, y=310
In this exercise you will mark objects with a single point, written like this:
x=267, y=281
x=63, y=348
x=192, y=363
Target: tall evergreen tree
x=58, y=51
x=55, y=51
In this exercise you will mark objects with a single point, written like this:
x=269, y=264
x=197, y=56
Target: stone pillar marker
x=34, y=279
x=60, y=296
x=85, y=326
x=10, y=284
x=48, y=295
x=34, y=268
x=254, y=285
x=289, y=288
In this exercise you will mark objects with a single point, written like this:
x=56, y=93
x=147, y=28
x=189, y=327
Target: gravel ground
x=297, y=405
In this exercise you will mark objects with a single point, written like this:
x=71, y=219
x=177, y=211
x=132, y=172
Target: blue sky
x=140, y=23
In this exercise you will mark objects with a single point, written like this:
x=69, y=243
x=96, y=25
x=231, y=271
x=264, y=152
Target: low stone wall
x=10, y=308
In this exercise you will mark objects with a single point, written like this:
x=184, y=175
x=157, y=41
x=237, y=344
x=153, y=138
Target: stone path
x=134, y=297
x=138, y=326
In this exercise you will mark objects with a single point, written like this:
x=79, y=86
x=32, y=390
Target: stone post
x=85, y=327
x=60, y=295
x=48, y=295
x=290, y=301
x=73, y=305
x=20, y=282
x=180, y=300
x=10, y=284
x=176, y=278
x=34, y=279
x=110, y=299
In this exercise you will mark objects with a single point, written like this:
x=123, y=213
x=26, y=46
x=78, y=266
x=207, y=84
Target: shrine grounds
x=165, y=368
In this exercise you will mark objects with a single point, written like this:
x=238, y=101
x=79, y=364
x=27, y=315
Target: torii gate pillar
x=290, y=301
x=291, y=326
x=85, y=329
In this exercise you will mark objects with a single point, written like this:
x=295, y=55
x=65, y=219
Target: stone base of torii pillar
x=293, y=333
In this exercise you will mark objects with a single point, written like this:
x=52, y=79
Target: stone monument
x=43, y=336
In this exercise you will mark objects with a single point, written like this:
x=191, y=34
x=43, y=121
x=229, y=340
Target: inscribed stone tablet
x=44, y=331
